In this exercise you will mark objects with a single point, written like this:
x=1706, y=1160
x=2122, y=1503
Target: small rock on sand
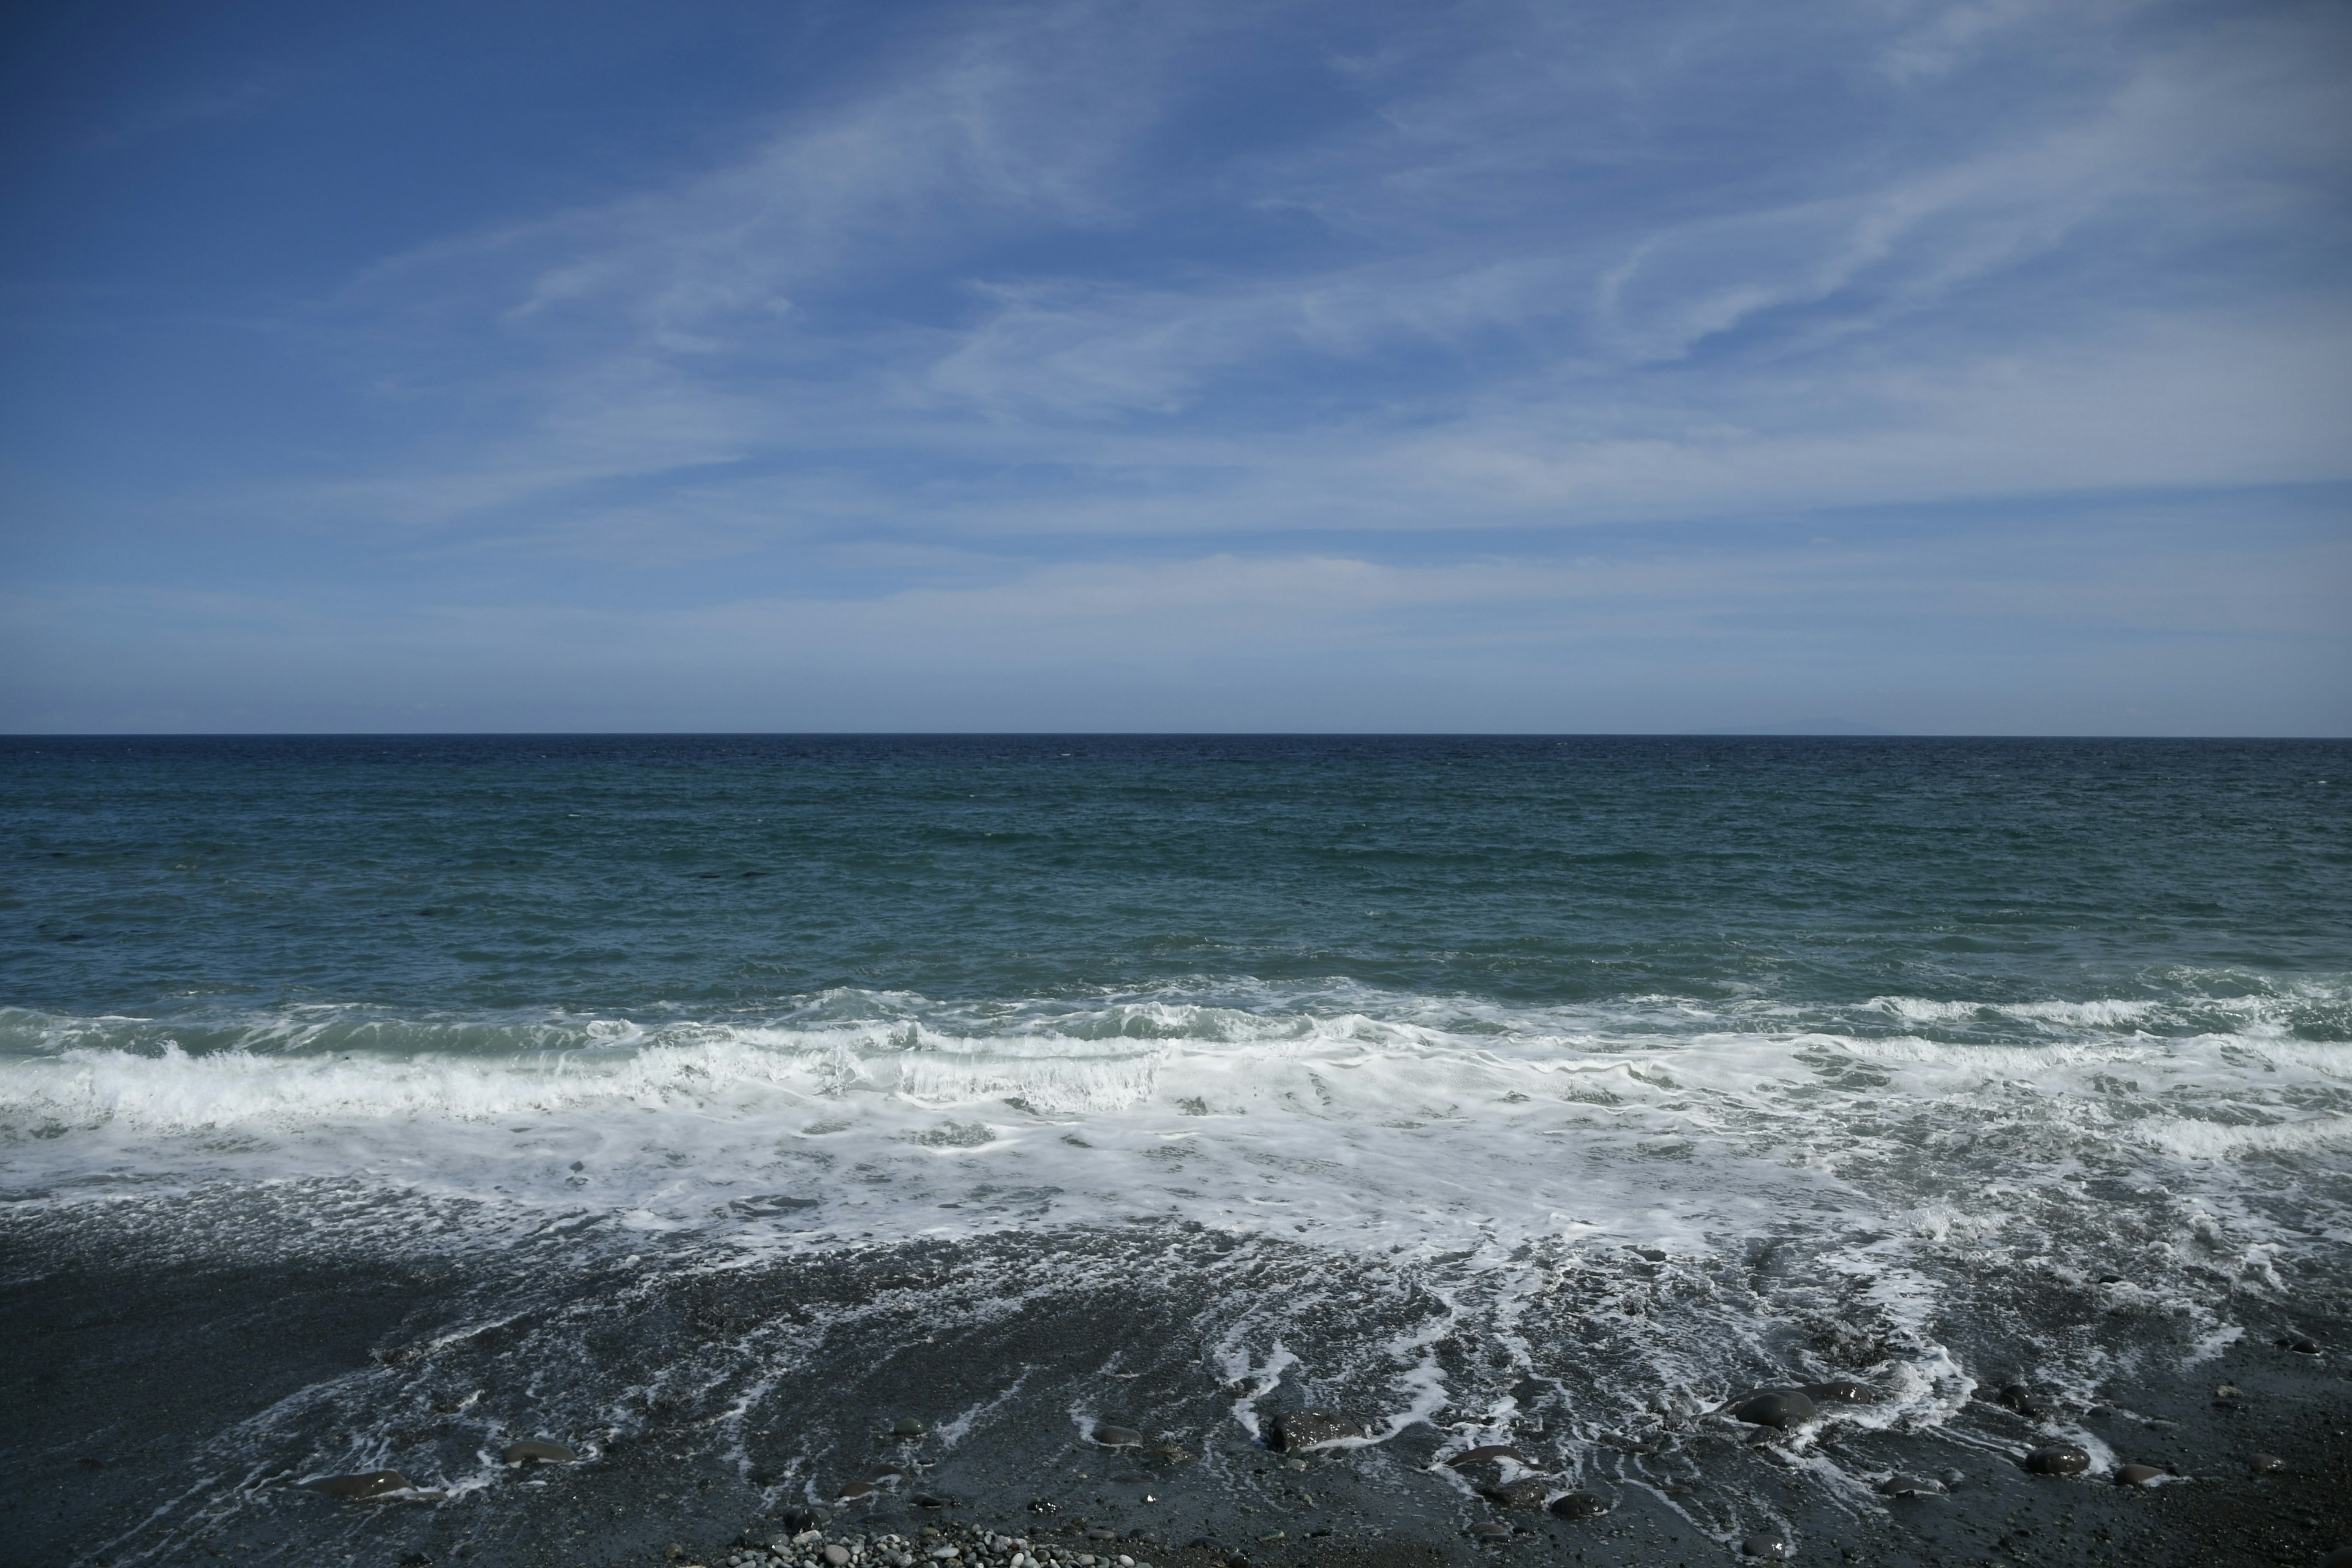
x=2265, y=1464
x=368, y=1484
x=1488, y=1455
x=534, y=1451
x=1528, y=1493
x=1118, y=1436
x=2138, y=1476
x=1490, y=1532
x=2017, y=1396
x=1910, y=1486
x=1578, y=1505
x=837, y=1555
x=2058, y=1459
x=1296, y=1431
x=1780, y=1407
x=1770, y=1548
x=906, y=1427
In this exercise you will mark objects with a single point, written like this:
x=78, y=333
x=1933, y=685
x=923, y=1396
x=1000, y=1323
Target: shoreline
x=206, y=1370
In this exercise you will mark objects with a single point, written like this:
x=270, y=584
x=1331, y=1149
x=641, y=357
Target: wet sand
x=172, y=1376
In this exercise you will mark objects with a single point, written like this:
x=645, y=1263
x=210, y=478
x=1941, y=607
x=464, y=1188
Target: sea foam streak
x=1335, y=1111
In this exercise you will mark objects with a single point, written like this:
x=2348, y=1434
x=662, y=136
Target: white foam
x=1335, y=1111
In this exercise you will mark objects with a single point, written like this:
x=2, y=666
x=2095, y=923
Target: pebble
x=1782, y=1407
x=2017, y=1396
x=2303, y=1344
x=906, y=1427
x=1910, y=1486
x=1578, y=1505
x=1490, y=1532
x=1771, y=1548
x=1118, y=1436
x=1490, y=1452
x=1528, y=1493
x=1298, y=1430
x=2265, y=1464
x=837, y=1554
x=2058, y=1459
x=367, y=1484
x=537, y=1452
x=2138, y=1476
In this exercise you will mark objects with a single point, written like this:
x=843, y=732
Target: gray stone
x=2138, y=1476
x=2058, y=1459
x=839, y=1555
x=1118, y=1436
x=1528, y=1493
x=1488, y=1455
x=1780, y=1407
x=1297, y=1431
x=1910, y=1486
x=2303, y=1344
x=1578, y=1505
x=906, y=1427
x=534, y=1451
x=366, y=1484
x=1491, y=1532
x=2017, y=1396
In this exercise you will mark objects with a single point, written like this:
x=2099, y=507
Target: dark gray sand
x=174, y=1373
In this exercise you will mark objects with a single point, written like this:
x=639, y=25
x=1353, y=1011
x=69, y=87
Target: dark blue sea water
x=1850, y=1037
x=725, y=876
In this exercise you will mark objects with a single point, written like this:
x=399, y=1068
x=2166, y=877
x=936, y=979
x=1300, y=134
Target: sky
x=1979, y=367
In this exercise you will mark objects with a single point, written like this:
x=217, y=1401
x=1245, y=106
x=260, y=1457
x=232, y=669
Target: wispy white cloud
x=1051, y=328
x=727, y=319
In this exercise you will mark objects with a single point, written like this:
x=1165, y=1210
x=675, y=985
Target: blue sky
x=1974, y=367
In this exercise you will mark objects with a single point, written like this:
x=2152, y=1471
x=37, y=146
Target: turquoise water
x=204, y=880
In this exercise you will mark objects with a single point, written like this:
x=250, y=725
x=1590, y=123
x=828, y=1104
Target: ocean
x=713, y=1105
